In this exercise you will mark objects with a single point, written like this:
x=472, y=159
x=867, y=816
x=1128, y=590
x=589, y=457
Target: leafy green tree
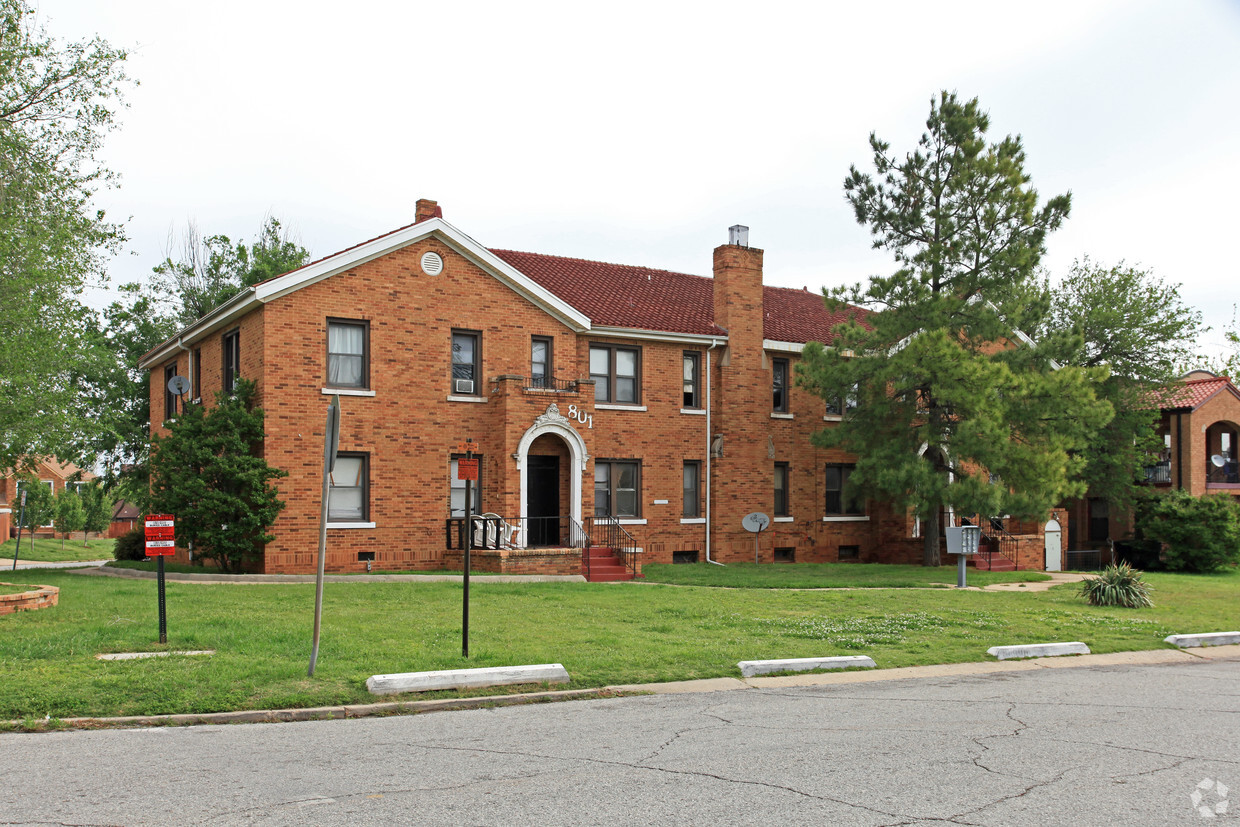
x=70, y=515
x=57, y=101
x=1197, y=534
x=1227, y=364
x=207, y=472
x=97, y=505
x=1136, y=325
x=954, y=409
x=111, y=386
x=40, y=505
x=210, y=271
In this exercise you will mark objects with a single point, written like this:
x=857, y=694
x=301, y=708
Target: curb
x=1149, y=657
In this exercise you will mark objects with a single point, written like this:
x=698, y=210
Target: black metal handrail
x=549, y=384
x=995, y=538
x=608, y=533
x=1158, y=472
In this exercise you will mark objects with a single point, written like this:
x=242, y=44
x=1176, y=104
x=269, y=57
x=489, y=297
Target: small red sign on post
x=467, y=469
x=160, y=535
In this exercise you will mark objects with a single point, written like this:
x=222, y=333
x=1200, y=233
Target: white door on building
x=1054, y=546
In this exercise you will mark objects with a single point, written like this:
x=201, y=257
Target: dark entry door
x=543, y=507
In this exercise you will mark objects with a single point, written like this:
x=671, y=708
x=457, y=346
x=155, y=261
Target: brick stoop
x=604, y=566
x=996, y=563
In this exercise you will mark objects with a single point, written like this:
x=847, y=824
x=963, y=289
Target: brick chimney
x=427, y=209
x=737, y=288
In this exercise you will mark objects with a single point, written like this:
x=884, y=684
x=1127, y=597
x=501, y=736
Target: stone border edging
x=1038, y=650
x=39, y=597
x=1147, y=657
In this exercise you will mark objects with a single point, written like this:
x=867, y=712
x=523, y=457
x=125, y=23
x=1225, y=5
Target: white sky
x=637, y=132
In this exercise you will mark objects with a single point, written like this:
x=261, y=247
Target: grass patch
x=182, y=568
x=42, y=550
x=826, y=576
x=602, y=633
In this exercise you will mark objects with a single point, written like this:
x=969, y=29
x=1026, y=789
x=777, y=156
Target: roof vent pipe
x=738, y=235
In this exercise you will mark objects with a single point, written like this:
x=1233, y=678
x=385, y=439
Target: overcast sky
x=638, y=132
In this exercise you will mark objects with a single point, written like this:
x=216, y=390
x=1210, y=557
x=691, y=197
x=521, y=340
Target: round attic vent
x=432, y=264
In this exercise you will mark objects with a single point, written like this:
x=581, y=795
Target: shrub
x=1197, y=534
x=131, y=545
x=1118, y=585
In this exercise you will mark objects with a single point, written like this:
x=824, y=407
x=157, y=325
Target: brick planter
x=42, y=597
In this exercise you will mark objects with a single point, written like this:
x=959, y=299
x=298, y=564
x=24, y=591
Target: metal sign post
x=161, y=543
x=755, y=522
x=467, y=470
x=21, y=518
x=331, y=442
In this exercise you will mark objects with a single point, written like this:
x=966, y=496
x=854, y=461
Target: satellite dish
x=1218, y=460
x=178, y=385
x=755, y=522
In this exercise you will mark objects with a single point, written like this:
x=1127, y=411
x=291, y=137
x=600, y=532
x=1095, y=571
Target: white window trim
x=350, y=525
x=632, y=521
x=776, y=415
x=785, y=519
x=850, y=518
x=346, y=392
x=693, y=521
x=606, y=407
x=693, y=411
x=452, y=398
x=833, y=418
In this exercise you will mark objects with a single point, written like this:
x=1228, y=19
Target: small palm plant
x=1118, y=585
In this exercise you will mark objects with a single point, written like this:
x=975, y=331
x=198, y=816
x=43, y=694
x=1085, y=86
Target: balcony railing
x=491, y=531
x=548, y=384
x=1159, y=472
x=1228, y=472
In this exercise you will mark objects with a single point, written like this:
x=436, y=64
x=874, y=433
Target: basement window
x=684, y=557
x=850, y=553
x=785, y=555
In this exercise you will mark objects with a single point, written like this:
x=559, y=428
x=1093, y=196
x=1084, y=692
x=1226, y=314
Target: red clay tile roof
x=621, y=295
x=1193, y=392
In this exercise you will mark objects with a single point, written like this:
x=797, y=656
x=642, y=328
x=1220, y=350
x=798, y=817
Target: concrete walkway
x=1057, y=578
x=40, y=564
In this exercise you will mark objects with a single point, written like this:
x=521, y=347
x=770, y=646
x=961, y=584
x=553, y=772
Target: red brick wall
x=409, y=427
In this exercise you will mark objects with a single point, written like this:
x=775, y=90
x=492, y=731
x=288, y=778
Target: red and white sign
x=160, y=535
x=467, y=469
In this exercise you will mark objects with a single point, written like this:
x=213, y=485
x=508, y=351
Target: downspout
x=1179, y=450
x=713, y=345
x=181, y=345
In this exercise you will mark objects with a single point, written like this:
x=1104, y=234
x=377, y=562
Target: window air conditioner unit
x=462, y=385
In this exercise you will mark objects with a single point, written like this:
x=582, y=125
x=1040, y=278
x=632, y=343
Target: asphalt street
x=1096, y=745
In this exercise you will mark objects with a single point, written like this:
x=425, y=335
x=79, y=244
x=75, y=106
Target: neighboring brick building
x=662, y=399
x=54, y=474
x=1199, y=425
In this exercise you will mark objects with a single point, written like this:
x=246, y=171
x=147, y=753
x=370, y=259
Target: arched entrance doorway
x=552, y=457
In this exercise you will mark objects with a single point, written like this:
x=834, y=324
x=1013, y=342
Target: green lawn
x=50, y=551
x=826, y=576
x=602, y=633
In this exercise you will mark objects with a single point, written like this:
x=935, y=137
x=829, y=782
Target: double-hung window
x=348, y=354
x=692, y=489
x=456, y=490
x=615, y=372
x=840, y=501
x=232, y=359
x=540, y=362
x=349, y=493
x=466, y=362
x=781, y=490
x=170, y=398
x=779, y=385
x=616, y=488
x=692, y=380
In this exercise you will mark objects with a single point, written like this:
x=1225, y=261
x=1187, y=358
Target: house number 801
x=581, y=416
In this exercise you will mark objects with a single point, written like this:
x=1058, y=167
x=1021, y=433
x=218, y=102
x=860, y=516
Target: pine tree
x=208, y=474
x=957, y=408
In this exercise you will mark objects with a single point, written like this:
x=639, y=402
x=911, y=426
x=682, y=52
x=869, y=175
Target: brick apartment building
x=594, y=392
